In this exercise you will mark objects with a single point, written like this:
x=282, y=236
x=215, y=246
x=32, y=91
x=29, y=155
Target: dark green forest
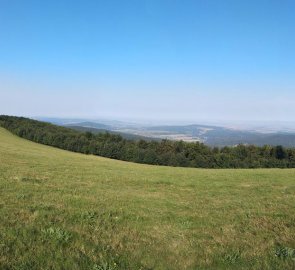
x=165, y=152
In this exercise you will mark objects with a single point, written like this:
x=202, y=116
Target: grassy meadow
x=63, y=210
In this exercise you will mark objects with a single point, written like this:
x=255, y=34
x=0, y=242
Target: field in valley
x=63, y=210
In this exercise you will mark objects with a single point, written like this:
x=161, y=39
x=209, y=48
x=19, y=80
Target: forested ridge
x=165, y=152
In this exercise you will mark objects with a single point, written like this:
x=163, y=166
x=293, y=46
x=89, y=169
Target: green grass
x=62, y=210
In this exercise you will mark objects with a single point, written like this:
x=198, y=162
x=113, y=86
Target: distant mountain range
x=210, y=135
x=220, y=136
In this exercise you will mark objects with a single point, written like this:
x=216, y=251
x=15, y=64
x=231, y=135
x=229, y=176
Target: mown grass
x=62, y=210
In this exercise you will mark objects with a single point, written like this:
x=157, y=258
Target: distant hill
x=90, y=125
x=127, y=136
x=208, y=134
x=234, y=137
x=220, y=136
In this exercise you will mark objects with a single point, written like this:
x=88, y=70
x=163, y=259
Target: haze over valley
x=260, y=133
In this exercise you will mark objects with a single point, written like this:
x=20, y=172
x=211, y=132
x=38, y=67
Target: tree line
x=165, y=152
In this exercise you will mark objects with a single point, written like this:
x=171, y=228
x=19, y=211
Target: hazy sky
x=148, y=59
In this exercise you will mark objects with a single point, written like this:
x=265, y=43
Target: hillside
x=164, y=152
x=63, y=210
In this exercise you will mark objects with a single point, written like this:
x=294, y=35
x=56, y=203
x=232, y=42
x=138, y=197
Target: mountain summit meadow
x=64, y=210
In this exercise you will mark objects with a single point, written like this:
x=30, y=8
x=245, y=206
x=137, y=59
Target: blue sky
x=148, y=59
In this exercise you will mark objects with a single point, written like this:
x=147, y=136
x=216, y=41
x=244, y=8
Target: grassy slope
x=62, y=210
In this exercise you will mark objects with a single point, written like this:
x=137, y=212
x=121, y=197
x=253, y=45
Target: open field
x=63, y=210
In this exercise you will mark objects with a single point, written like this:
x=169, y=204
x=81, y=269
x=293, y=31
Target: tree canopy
x=165, y=152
